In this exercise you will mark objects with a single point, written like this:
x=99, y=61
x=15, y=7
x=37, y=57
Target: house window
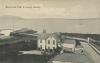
x=48, y=41
x=40, y=46
x=53, y=47
x=40, y=41
x=54, y=42
x=48, y=47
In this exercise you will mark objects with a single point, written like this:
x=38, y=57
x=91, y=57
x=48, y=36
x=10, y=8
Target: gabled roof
x=47, y=35
x=25, y=30
x=43, y=36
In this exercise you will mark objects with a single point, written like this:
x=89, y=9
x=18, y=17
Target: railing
x=95, y=47
x=92, y=42
x=76, y=38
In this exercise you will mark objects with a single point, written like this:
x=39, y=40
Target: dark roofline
x=15, y=40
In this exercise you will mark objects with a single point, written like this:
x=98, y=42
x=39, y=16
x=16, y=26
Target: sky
x=76, y=16
x=72, y=9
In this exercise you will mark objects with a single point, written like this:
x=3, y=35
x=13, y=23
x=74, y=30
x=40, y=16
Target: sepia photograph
x=49, y=31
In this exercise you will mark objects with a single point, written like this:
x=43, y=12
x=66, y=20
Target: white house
x=47, y=41
x=69, y=45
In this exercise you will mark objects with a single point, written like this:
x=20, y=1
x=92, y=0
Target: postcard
x=49, y=31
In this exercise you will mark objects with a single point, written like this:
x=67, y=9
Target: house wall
x=66, y=45
x=51, y=45
x=38, y=43
x=46, y=45
x=41, y=43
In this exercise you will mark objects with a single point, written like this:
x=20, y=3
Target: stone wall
x=90, y=52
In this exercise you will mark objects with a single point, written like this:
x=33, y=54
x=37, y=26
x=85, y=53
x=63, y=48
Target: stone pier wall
x=90, y=52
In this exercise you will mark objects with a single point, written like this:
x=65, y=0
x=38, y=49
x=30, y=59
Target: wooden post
x=88, y=40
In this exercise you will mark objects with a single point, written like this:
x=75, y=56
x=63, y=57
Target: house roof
x=12, y=40
x=25, y=30
x=69, y=41
x=46, y=35
x=71, y=57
